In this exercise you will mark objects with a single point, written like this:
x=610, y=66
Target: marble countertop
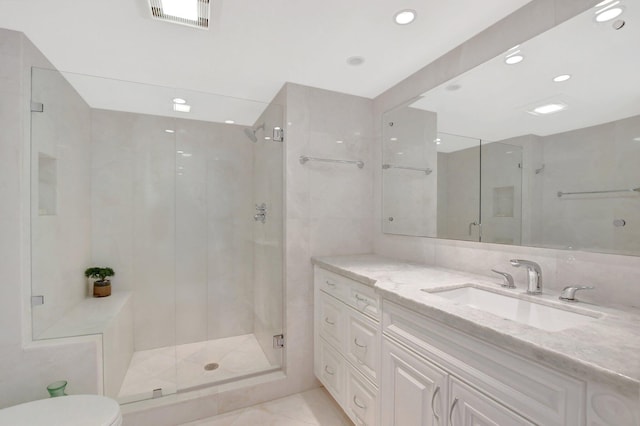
x=606, y=350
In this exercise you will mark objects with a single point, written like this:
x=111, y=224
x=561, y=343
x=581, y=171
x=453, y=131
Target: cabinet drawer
x=331, y=371
x=543, y=395
x=333, y=284
x=361, y=400
x=363, y=344
x=355, y=294
x=331, y=320
x=364, y=299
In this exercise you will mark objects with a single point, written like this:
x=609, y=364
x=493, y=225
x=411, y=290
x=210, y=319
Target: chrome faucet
x=569, y=293
x=534, y=274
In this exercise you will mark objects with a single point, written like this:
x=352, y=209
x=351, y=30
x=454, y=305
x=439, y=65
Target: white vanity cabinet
x=347, y=344
x=434, y=375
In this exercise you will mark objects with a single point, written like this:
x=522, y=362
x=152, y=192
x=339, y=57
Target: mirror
x=519, y=153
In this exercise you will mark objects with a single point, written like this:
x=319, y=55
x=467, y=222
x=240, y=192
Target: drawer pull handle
x=453, y=406
x=362, y=299
x=355, y=341
x=330, y=284
x=326, y=319
x=328, y=371
x=433, y=407
x=359, y=405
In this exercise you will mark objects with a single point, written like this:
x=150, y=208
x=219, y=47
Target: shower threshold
x=181, y=368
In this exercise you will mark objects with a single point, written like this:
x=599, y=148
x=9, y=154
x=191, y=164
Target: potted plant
x=102, y=286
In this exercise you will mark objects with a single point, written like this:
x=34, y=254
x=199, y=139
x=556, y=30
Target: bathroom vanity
x=399, y=343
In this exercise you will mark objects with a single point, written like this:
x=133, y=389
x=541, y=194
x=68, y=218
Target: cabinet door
x=469, y=407
x=413, y=391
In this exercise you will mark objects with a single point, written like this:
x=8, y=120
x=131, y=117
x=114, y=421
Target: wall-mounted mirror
x=539, y=146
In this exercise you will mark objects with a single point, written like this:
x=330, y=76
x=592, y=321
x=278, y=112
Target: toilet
x=72, y=410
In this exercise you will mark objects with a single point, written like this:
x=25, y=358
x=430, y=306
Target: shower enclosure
x=171, y=201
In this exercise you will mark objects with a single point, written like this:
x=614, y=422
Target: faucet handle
x=508, y=279
x=569, y=293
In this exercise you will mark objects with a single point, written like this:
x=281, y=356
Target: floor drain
x=211, y=366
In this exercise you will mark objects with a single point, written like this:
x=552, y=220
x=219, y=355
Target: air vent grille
x=202, y=21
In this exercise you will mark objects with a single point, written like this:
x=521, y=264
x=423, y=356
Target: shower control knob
x=619, y=222
x=390, y=218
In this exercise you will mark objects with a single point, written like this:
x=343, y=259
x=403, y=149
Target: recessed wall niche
x=47, y=185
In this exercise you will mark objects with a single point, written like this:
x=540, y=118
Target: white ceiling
x=252, y=47
x=494, y=98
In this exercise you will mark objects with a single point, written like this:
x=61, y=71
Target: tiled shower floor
x=182, y=367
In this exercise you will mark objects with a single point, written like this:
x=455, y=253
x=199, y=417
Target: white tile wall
x=26, y=368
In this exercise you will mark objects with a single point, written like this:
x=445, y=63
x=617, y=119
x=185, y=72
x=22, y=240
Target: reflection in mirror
x=560, y=134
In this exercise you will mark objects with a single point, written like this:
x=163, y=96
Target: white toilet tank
x=72, y=410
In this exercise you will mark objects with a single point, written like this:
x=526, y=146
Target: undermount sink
x=543, y=316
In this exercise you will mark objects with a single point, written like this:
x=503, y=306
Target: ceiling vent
x=193, y=13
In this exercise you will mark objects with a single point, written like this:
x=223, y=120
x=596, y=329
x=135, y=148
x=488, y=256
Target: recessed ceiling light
x=405, y=16
x=182, y=108
x=355, y=60
x=194, y=13
x=609, y=14
x=561, y=78
x=170, y=131
x=549, y=108
x=515, y=59
x=179, y=101
x=229, y=121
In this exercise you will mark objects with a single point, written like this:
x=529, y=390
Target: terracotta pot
x=102, y=288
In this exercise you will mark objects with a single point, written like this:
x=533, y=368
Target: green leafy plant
x=99, y=272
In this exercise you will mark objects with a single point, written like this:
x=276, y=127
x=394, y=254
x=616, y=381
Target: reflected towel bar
x=426, y=171
x=560, y=193
x=304, y=159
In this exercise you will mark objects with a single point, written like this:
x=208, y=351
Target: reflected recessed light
x=561, y=78
x=393, y=139
x=438, y=141
x=400, y=153
x=170, y=131
x=267, y=138
x=548, y=109
x=229, y=121
x=179, y=101
x=355, y=60
x=179, y=152
x=186, y=154
x=405, y=16
x=339, y=141
x=181, y=107
x=637, y=139
x=609, y=14
x=602, y=3
x=514, y=59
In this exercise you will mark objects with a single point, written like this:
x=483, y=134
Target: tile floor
x=182, y=367
x=311, y=408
